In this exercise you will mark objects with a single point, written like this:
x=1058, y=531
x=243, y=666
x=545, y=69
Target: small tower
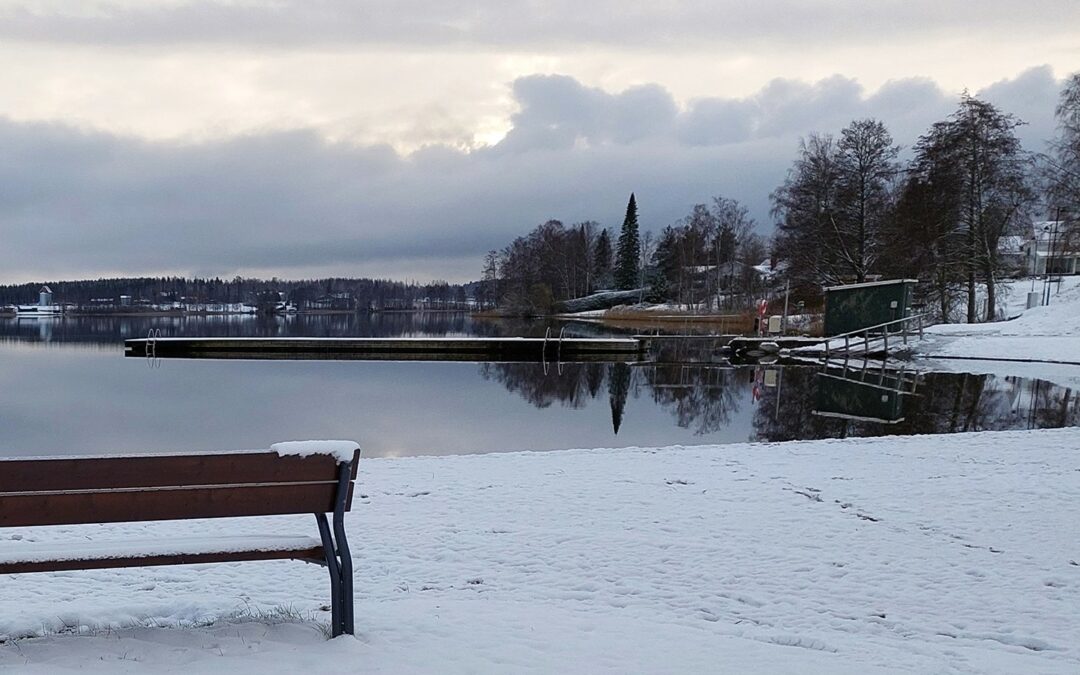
x=45, y=297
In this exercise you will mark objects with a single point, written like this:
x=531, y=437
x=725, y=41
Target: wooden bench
x=291, y=479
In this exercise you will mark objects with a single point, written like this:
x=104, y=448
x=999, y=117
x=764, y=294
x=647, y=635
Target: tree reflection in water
x=618, y=390
x=942, y=403
x=708, y=397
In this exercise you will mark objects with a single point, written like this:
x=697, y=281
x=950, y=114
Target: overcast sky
x=304, y=138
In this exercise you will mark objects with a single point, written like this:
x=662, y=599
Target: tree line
x=705, y=257
x=849, y=211
x=361, y=293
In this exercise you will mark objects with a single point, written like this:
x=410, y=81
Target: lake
x=65, y=388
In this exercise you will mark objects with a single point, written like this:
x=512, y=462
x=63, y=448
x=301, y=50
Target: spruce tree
x=626, y=257
x=602, y=258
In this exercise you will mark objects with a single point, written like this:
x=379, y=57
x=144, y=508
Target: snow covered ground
x=1048, y=334
x=950, y=554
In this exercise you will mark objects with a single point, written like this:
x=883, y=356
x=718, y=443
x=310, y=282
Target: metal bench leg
x=344, y=555
x=330, y=552
x=338, y=557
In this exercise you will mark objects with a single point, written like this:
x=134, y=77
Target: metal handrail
x=880, y=325
x=865, y=333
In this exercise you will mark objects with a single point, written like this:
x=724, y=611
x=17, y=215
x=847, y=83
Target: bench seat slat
x=21, y=557
x=20, y=510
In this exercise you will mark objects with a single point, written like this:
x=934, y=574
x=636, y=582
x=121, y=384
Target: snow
x=1060, y=318
x=24, y=551
x=1049, y=334
x=343, y=451
x=956, y=553
x=288, y=450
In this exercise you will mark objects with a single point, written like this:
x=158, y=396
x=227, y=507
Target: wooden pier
x=771, y=344
x=390, y=349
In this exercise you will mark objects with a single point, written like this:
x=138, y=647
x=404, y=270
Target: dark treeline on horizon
x=346, y=293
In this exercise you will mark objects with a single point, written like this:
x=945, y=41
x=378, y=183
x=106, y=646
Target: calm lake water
x=65, y=387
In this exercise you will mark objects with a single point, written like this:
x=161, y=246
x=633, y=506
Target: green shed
x=851, y=399
x=853, y=306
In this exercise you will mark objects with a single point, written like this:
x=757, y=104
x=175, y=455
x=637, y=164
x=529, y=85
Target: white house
x=1049, y=248
x=45, y=306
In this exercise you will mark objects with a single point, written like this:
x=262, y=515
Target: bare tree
x=1063, y=174
x=806, y=206
x=866, y=159
x=733, y=226
x=979, y=171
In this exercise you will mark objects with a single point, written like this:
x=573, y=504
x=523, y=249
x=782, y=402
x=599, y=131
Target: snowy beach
x=951, y=553
x=1042, y=342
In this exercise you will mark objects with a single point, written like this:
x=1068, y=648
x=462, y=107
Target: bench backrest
x=74, y=490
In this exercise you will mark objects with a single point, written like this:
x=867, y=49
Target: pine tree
x=602, y=259
x=626, y=257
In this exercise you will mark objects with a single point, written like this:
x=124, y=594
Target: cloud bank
x=76, y=203
x=525, y=24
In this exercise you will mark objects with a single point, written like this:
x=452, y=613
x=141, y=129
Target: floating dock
x=772, y=344
x=390, y=349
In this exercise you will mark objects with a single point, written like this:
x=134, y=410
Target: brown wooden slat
x=203, y=502
x=75, y=473
x=311, y=555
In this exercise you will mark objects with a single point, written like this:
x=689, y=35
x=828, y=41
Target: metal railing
x=879, y=331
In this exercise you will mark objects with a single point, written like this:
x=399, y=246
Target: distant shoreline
x=182, y=313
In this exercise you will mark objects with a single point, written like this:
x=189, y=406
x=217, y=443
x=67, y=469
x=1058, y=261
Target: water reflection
x=942, y=403
x=794, y=403
x=82, y=395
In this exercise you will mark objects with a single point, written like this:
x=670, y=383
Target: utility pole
x=787, y=292
x=1050, y=257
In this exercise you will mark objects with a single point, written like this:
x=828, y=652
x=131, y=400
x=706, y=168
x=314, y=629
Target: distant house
x=44, y=307
x=1046, y=249
x=333, y=301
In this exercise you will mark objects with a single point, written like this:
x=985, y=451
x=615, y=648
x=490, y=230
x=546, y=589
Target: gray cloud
x=76, y=203
x=1026, y=96
x=523, y=23
x=557, y=111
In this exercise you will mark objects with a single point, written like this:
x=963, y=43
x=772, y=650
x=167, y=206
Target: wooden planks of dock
x=397, y=349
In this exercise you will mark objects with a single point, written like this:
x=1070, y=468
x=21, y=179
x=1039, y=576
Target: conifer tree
x=628, y=252
x=602, y=259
